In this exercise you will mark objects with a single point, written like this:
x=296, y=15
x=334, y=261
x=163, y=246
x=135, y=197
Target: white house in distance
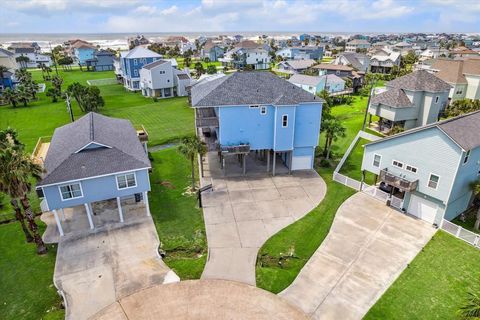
x=355, y=44
x=312, y=84
x=161, y=79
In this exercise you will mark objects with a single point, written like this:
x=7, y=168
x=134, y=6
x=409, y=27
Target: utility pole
x=69, y=107
x=53, y=57
x=368, y=104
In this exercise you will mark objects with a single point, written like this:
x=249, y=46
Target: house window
x=467, y=156
x=285, y=121
x=71, y=191
x=376, y=160
x=459, y=92
x=411, y=169
x=135, y=62
x=263, y=110
x=253, y=107
x=126, y=181
x=397, y=164
x=436, y=99
x=433, y=181
x=135, y=72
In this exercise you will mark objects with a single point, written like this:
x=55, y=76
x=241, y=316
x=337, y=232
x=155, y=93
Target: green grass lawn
x=352, y=168
x=436, y=283
x=27, y=290
x=469, y=223
x=177, y=217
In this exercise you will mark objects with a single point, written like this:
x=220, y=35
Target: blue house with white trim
x=130, y=64
x=258, y=112
x=93, y=159
x=429, y=169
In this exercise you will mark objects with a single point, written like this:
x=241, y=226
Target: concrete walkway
x=95, y=268
x=367, y=248
x=202, y=299
x=243, y=212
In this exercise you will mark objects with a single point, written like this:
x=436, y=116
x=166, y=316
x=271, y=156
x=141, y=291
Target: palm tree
x=471, y=310
x=475, y=187
x=189, y=147
x=10, y=96
x=16, y=170
x=3, y=69
x=22, y=75
x=333, y=130
x=23, y=94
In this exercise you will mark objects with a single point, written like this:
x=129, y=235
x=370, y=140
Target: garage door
x=422, y=208
x=301, y=162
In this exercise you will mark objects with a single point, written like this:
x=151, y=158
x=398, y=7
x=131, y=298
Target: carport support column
x=57, y=220
x=120, y=212
x=274, y=162
x=89, y=215
x=145, y=201
x=244, y=164
x=268, y=160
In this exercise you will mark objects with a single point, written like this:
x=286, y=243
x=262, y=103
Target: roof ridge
x=92, y=128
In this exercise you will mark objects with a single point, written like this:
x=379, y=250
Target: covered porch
x=95, y=216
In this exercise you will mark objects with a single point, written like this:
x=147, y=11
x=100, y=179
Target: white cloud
x=171, y=10
x=145, y=10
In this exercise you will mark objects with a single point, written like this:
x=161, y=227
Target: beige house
x=7, y=59
x=462, y=75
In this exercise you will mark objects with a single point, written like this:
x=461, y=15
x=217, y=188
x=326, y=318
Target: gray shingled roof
x=124, y=151
x=464, y=130
x=246, y=88
x=393, y=97
x=153, y=64
x=420, y=80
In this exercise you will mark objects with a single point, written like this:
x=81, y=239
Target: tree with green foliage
x=16, y=171
x=395, y=130
x=333, y=129
x=211, y=69
x=88, y=98
x=190, y=147
x=459, y=107
x=66, y=63
x=199, y=69
x=471, y=309
x=475, y=187
x=187, y=61
x=56, y=91
x=23, y=60
x=23, y=94
x=10, y=96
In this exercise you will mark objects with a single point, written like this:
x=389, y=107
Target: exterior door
x=422, y=208
x=302, y=162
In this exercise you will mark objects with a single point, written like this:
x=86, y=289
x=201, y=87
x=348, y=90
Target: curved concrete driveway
x=243, y=212
x=367, y=248
x=201, y=299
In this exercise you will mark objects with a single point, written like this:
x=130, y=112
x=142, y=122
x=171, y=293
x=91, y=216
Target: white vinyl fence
x=102, y=82
x=376, y=193
x=349, y=182
x=461, y=233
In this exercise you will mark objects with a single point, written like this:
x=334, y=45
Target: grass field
x=178, y=220
x=436, y=283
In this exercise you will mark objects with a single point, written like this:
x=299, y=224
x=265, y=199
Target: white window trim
x=284, y=115
x=403, y=164
x=263, y=110
x=69, y=184
x=428, y=181
x=411, y=170
x=135, y=62
x=125, y=175
x=467, y=157
x=379, y=161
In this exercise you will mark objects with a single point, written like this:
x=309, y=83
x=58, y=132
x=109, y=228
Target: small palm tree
x=333, y=130
x=23, y=94
x=10, y=96
x=190, y=147
x=16, y=170
x=471, y=310
x=475, y=187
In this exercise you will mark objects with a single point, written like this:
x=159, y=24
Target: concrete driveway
x=95, y=268
x=367, y=248
x=202, y=299
x=243, y=212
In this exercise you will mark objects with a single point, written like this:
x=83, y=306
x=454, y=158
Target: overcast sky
x=99, y=16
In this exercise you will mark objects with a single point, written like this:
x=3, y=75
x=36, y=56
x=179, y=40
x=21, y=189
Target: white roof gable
x=141, y=52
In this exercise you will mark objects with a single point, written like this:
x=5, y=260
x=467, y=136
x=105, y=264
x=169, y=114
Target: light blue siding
x=284, y=135
x=83, y=54
x=307, y=125
x=96, y=189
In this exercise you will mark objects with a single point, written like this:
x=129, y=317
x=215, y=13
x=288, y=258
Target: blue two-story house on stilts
x=132, y=62
x=258, y=112
x=93, y=159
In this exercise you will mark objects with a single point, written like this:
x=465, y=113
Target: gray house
x=161, y=79
x=93, y=159
x=414, y=100
x=428, y=169
x=102, y=61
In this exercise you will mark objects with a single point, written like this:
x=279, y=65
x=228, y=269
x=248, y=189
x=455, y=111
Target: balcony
x=397, y=181
x=205, y=118
x=142, y=133
x=41, y=148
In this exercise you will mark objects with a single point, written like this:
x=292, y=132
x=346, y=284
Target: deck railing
x=397, y=181
x=141, y=133
x=39, y=152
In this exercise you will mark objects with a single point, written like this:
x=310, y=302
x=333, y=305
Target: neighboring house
x=314, y=85
x=383, y=60
x=403, y=47
x=7, y=59
x=301, y=52
x=161, y=79
x=358, y=61
x=93, y=159
x=357, y=45
x=81, y=51
x=295, y=66
x=342, y=71
x=433, y=53
x=102, y=61
x=212, y=51
x=463, y=52
x=6, y=81
x=462, y=75
x=35, y=58
x=411, y=101
x=240, y=58
x=430, y=168
x=132, y=62
x=139, y=40
x=259, y=112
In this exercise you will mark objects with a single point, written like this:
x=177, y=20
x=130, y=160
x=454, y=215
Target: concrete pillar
x=145, y=201
x=274, y=162
x=63, y=214
x=57, y=220
x=244, y=164
x=89, y=215
x=290, y=162
x=120, y=212
x=268, y=160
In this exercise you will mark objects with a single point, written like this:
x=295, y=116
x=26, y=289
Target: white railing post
x=476, y=241
x=457, y=234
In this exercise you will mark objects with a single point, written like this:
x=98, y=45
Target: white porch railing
x=349, y=182
x=376, y=193
x=396, y=202
x=461, y=233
